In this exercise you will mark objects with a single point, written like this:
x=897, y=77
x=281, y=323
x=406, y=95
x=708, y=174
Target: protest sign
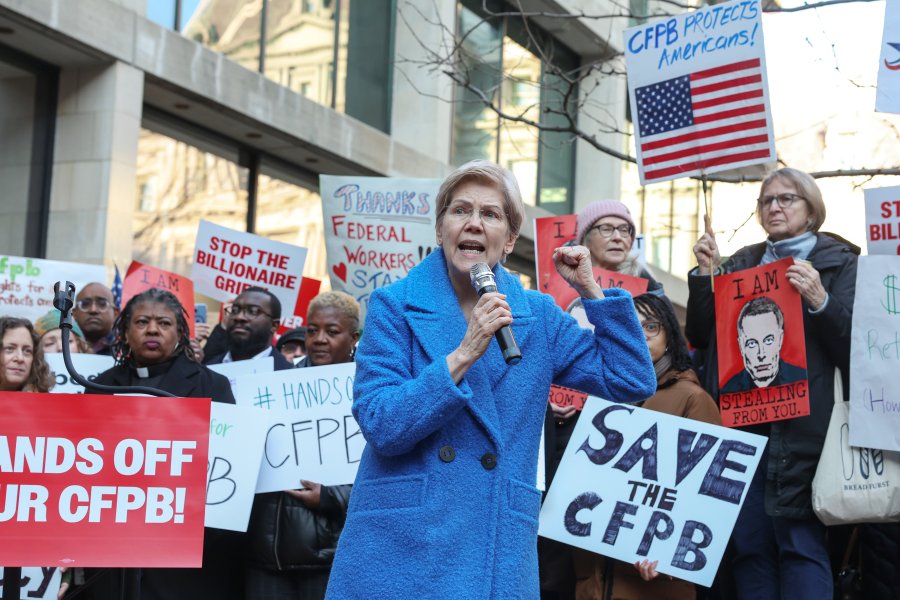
x=226, y=262
x=36, y=582
x=376, y=230
x=113, y=481
x=875, y=354
x=140, y=278
x=236, y=437
x=86, y=365
x=883, y=220
x=311, y=432
x=563, y=396
x=887, y=96
x=636, y=484
x=762, y=348
x=309, y=289
x=698, y=92
x=236, y=368
x=26, y=284
x=551, y=233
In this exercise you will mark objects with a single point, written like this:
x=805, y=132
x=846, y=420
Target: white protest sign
x=227, y=261
x=698, y=90
x=86, y=365
x=636, y=484
x=875, y=354
x=37, y=582
x=376, y=230
x=236, y=438
x=311, y=432
x=236, y=368
x=883, y=220
x=887, y=96
x=26, y=284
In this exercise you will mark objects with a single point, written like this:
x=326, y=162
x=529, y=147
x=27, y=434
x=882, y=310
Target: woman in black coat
x=152, y=349
x=779, y=544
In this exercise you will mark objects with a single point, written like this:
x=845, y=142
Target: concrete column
x=95, y=157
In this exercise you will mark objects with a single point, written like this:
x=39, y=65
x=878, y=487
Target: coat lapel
x=181, y=379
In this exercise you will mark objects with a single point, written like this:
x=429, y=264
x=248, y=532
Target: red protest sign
x=563, y=396
x=551, y=233
x=113, y=481
x=309, y=288
x=140, y=278
x=762, y=349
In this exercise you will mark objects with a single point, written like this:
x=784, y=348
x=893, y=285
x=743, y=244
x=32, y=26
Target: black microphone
x=483, y=281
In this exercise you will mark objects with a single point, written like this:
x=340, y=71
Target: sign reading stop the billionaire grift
x=102, y=481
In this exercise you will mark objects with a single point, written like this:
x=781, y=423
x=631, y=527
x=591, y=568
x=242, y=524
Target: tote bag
x=854, y=485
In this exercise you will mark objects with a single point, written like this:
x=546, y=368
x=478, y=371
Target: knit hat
x=297, y=334
x=50, y=321
x=598, y=209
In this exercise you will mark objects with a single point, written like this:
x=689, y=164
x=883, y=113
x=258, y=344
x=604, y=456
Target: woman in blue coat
x=445, y=503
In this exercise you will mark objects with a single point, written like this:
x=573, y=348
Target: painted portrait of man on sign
x=760, y=336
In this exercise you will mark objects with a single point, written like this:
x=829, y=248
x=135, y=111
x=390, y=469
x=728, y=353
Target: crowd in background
x=778, y=550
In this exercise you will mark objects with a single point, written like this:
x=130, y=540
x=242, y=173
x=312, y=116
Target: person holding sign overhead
x=779, y=545
x=445, y=504
x=293, y=534
x=152, y=348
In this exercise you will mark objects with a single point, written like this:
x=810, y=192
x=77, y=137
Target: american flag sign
x=710, y=118
x=698, y=94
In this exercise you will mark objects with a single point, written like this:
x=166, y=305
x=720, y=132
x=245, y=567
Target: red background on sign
x=109, y=419
x=793, y=350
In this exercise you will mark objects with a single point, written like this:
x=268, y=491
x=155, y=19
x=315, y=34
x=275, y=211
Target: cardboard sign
x=887, y=96
x=311, y=431
x=376, y=230
x=140, y=278
x=552, y=232
x=36, y=582
x=875, y=354
x=226, y=262
x=238, y=368
x=883, y=220
x=86, y=365
x=636, y=484
x=113, y=481
x=698, y=92
x=236, y=437
x=563, y=396
x=26, y=284
x=762, y=348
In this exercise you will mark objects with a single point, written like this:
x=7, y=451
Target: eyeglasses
x=652, y=328
x=86, y=303
x=606, y=230
x=251, y=310
x=489, y=217
x=783, y=200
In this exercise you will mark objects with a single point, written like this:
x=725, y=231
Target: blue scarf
x=798, y=247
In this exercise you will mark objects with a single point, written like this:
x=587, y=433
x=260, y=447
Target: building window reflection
x=500, y=62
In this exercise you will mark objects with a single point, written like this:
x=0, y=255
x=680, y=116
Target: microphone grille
x=479, y=270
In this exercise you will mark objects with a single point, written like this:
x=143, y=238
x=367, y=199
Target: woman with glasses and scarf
x=779, y=544
x=678, y=393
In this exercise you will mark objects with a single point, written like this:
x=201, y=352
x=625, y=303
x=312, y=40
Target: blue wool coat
x=445, y=504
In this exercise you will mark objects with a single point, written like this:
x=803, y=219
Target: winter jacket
x=445, y=504
x=794, y=444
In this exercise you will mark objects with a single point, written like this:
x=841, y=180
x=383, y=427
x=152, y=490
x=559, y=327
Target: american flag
x=715, y=118
x=117, y=288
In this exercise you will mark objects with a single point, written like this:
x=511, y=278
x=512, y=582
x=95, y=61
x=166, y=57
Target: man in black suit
x=760, y=329
x=253, y=319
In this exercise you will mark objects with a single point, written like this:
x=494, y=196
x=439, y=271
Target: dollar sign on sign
x=890, y=290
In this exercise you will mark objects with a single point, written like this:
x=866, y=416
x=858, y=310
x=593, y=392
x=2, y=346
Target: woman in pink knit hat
x=607, y=229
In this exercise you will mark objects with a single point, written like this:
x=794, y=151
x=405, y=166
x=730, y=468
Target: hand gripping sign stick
x=707, y=222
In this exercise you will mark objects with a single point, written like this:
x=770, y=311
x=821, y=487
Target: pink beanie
x=597, y=210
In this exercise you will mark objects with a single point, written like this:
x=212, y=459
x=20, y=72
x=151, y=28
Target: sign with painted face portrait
x=762, y=349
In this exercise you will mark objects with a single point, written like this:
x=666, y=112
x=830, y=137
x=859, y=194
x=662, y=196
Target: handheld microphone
x=483, y=281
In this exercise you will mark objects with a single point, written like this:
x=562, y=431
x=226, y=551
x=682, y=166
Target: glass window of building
x=179, y=184
x=502, y=61
x=230, y=27
x=289, y=211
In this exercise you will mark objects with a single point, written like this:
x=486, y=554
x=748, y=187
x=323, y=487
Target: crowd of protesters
x=405, y=404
